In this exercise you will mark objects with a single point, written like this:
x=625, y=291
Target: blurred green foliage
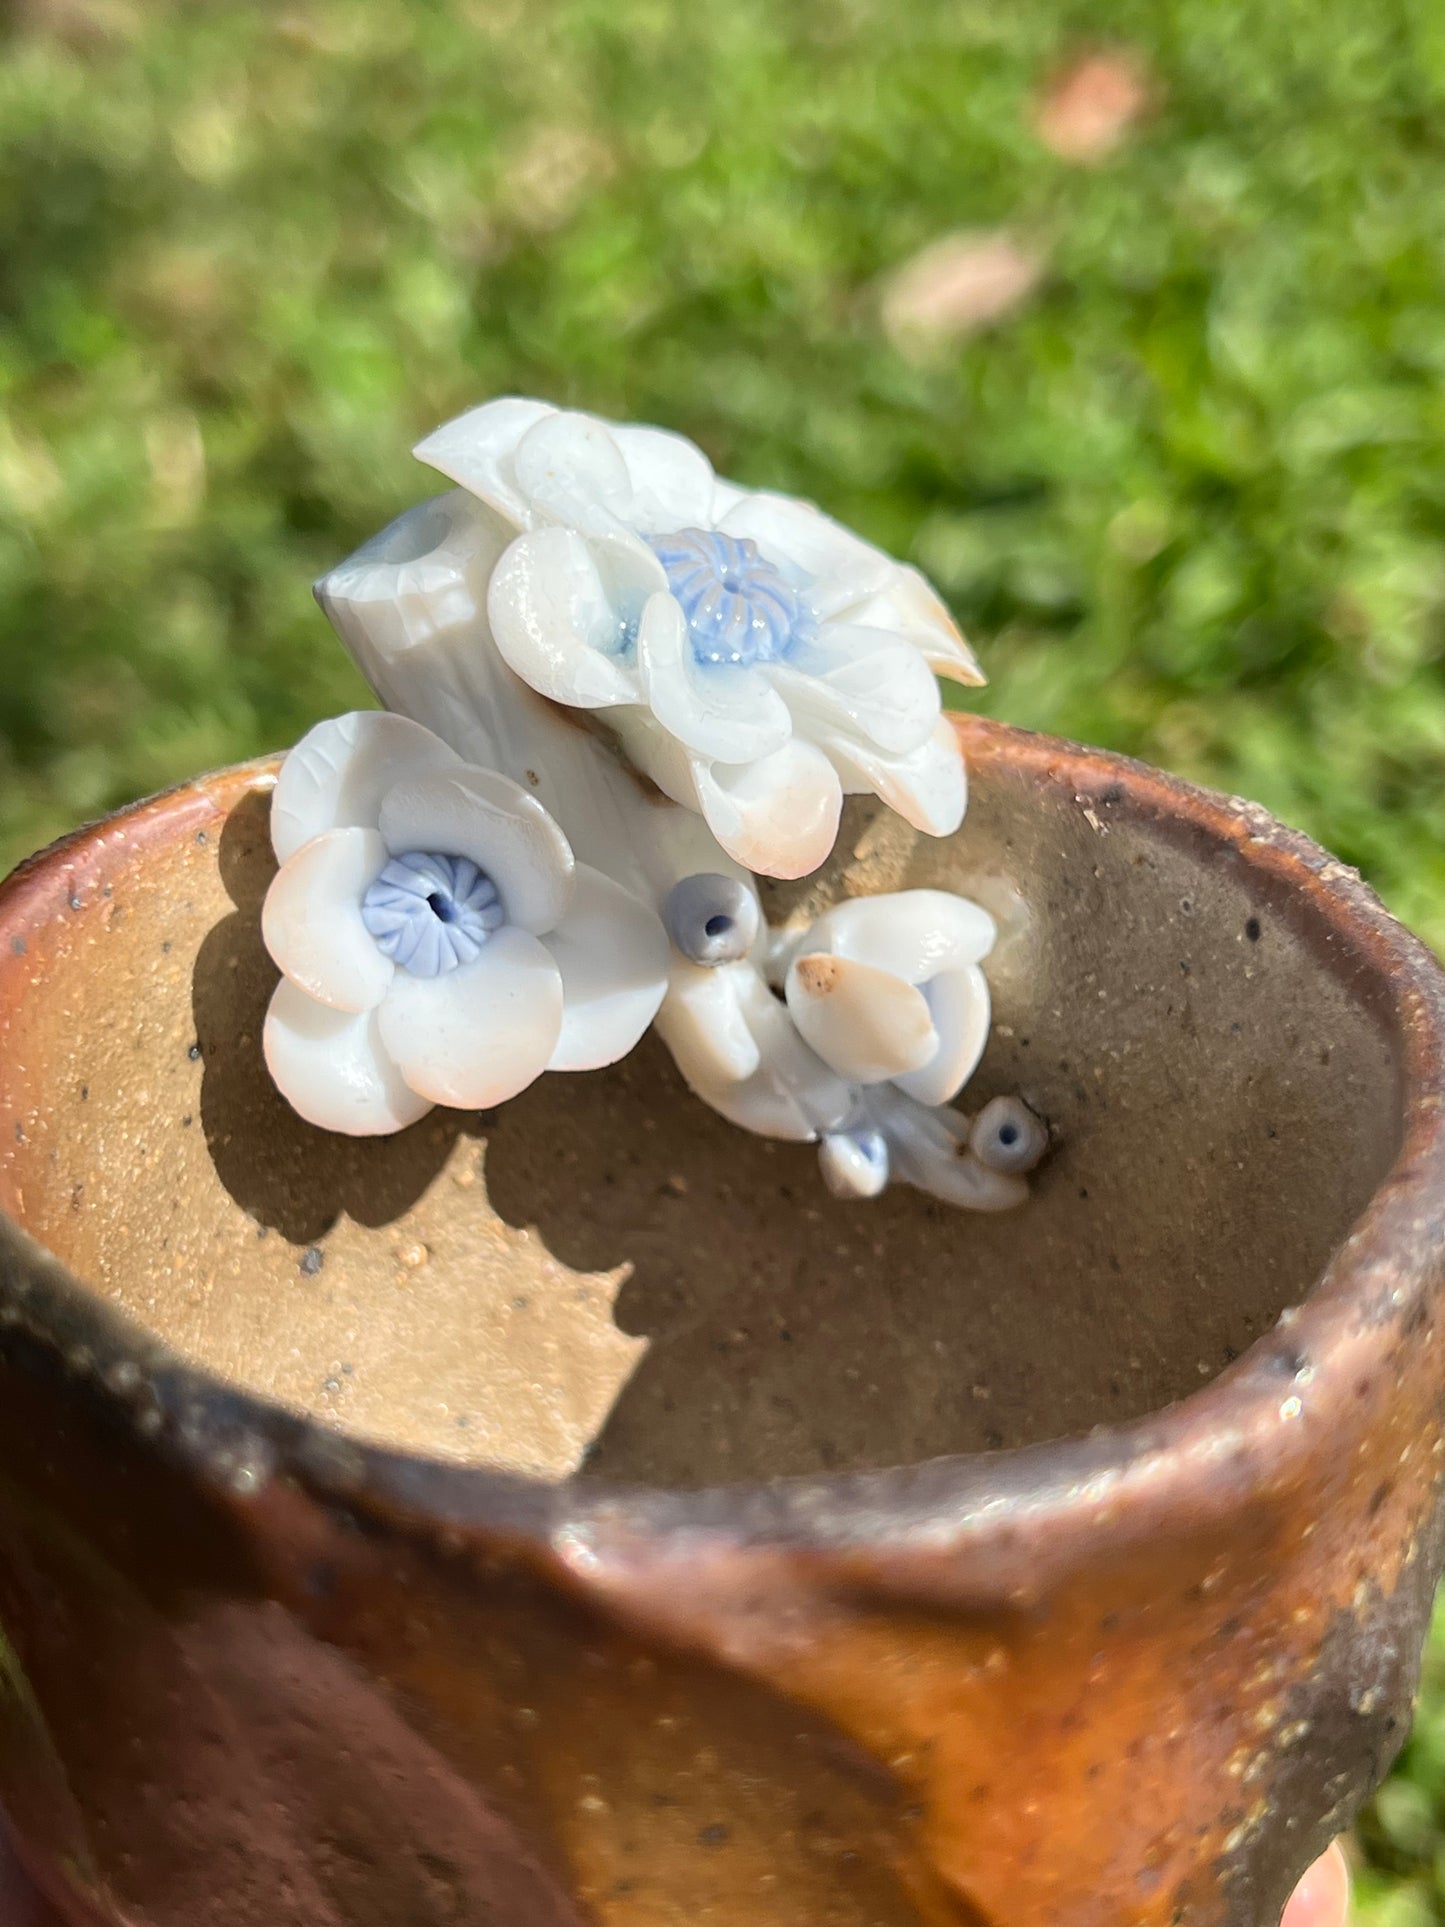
x=1188, y=500
x=1400, y=1881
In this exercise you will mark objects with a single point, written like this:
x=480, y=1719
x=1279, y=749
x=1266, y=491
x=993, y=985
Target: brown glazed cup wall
x=1095, y=1590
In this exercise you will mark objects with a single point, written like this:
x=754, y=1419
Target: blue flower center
x=740, y=608
x=431, y=913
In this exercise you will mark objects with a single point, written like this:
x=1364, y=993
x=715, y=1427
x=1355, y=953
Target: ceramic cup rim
x=1215, y=1450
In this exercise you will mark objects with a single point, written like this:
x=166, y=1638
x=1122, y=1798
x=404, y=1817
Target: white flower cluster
x=856, y=1031
x=737, y=663
x=752, y=657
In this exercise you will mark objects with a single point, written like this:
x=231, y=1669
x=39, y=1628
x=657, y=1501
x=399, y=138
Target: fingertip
x=1322, y=1899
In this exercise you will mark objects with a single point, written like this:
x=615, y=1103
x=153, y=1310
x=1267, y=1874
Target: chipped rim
x=1213, y=1452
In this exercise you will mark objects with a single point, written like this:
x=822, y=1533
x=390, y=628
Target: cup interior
x=604, y=1274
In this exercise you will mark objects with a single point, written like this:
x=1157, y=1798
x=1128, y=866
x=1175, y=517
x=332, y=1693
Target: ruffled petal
x=338, y=773
x=862, y=684
x=915, y=934
x=476, y=1036
x=866, y=1024
x=554, y=623
x=332, y=1068
x=928, y=787
x=727, y=713
x=612, y=952
x=477, y=451
x=836, y=569
x=571, y=470
x=777, y=816
x=311, y=920
x=911, y=607
x=959, y=1003
x=503, y=829
x=672, y=480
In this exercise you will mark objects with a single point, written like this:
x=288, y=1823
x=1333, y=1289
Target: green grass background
x=1189, y=501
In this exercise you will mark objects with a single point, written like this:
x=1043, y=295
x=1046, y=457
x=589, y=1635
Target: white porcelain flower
x=882, y=989
x=437, y=941
x=883, y=1018
x=888, y=989
x=754, y=658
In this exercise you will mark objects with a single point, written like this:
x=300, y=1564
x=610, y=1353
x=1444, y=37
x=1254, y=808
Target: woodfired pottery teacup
x=1067, y=1568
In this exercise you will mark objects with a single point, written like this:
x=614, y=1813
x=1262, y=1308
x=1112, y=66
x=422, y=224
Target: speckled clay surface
x=284, y=1652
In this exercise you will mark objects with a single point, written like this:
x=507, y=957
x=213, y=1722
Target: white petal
x=332, y=1068
x=338, y=773
x=629, y=570
x=658, y=754
x=702, y=1023
x=912, y=607
x=760, y=1104
x=835, y=568
x=913, y=933
x=477, y=450
x=739, y=1050
x=778, y=816
x=959, y=1003
x=311, y=920
x=793, y=1093
x=727, y=713
x=571, y=471
x=499, y=825
x=612, y=952
x=672, y=480
x=476, y=1036
x=860, y=684
x=726, y=497
x=928, y=787
x=554, y=624
x=866, y=1023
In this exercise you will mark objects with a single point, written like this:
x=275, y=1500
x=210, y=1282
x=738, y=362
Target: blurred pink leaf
x=1092, y=105
x=957, y=285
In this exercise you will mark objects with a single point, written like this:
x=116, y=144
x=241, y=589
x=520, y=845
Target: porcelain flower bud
x=752, y=657
x=889, y=989
x=438, y=943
